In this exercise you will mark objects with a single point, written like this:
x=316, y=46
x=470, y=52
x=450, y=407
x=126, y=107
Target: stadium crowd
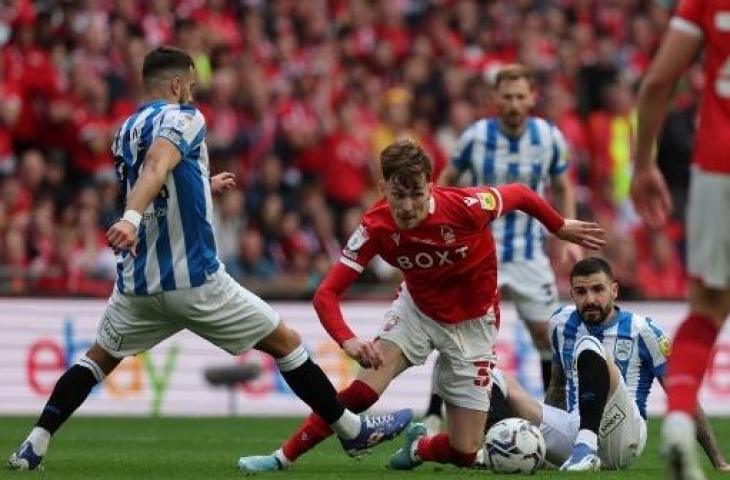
x=299, y=99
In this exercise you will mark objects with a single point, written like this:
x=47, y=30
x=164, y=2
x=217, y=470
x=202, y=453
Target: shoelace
x=379, y=420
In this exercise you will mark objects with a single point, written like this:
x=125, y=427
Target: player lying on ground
x=604, y=363
x=439, y=238
x=169, y=277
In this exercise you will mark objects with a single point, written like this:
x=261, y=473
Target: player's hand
x=363, y=352
x=222, y=182
x=651, y=197
x=721, y=466
x=122, y=236
x=585, y=234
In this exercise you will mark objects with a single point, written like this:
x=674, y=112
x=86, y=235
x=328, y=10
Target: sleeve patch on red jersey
x=356, y=241
x=487, y=200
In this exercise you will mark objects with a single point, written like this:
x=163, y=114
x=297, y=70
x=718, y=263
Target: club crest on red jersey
x=447, y=233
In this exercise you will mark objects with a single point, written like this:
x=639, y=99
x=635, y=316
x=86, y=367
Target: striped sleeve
x=658, y=347
x=559, y=158
x=184, y=127
x=462, y=158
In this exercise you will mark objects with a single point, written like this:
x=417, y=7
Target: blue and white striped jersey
x=494, y=158
x=639, y=349
x=176, y=246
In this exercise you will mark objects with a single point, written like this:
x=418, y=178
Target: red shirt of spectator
x=347, y=156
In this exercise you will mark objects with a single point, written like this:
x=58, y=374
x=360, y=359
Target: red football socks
x=688, y=362
x=357, y=398
x=438, y=449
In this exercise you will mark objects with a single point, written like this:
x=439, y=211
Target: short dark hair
x=165, y=59
x=514, y=71
x=404, y=161
x=589, y=266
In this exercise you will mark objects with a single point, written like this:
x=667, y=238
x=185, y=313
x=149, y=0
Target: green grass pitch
x=208, y=448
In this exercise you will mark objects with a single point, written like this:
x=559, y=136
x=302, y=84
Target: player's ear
x=381, y=185
x=614, y=290
x=176, y=85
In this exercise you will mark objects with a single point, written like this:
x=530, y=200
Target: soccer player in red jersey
x=439, y=238
x=695, y=23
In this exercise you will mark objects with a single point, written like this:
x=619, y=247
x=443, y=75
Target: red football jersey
x=711, y=20
x=448, y=262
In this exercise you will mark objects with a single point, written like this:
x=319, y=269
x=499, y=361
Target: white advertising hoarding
x=41, y=338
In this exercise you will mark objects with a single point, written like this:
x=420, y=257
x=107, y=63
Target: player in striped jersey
x=169, y=277
x=604, y=363
x=515, y=147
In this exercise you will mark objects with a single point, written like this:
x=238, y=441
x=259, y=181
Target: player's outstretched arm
x=159, y=161
x=327, y=305
x=516, y=196
x=648, y=189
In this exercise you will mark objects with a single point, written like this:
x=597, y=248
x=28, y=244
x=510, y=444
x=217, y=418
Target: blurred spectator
x=661, y=276
x=299, y=100
x=251, y=265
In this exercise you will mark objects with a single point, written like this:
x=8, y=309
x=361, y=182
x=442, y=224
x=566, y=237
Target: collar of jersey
x=604, y=326
x=158, y=101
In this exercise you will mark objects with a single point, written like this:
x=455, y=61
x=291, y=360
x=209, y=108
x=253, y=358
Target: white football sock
x=279, y=454
x=347, y=426
x=39, y=438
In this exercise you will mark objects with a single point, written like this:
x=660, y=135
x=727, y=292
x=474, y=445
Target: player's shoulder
x=644, y=325
x=562, y=315
x=464, y=198
x=185, y=115
x=378, y=217
x=544, y=128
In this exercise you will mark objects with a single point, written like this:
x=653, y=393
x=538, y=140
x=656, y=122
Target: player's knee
x=589, y=343
x=99, y=361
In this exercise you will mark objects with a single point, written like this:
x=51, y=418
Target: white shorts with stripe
x=463, y=373
x=221, y=311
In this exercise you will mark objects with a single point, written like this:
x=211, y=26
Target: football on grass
x=514, y=445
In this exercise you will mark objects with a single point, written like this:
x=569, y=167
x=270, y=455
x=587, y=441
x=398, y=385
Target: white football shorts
x=621, y=434
x=463, y=373
x=530, y=284
x=708, y=231
x=221, y=311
